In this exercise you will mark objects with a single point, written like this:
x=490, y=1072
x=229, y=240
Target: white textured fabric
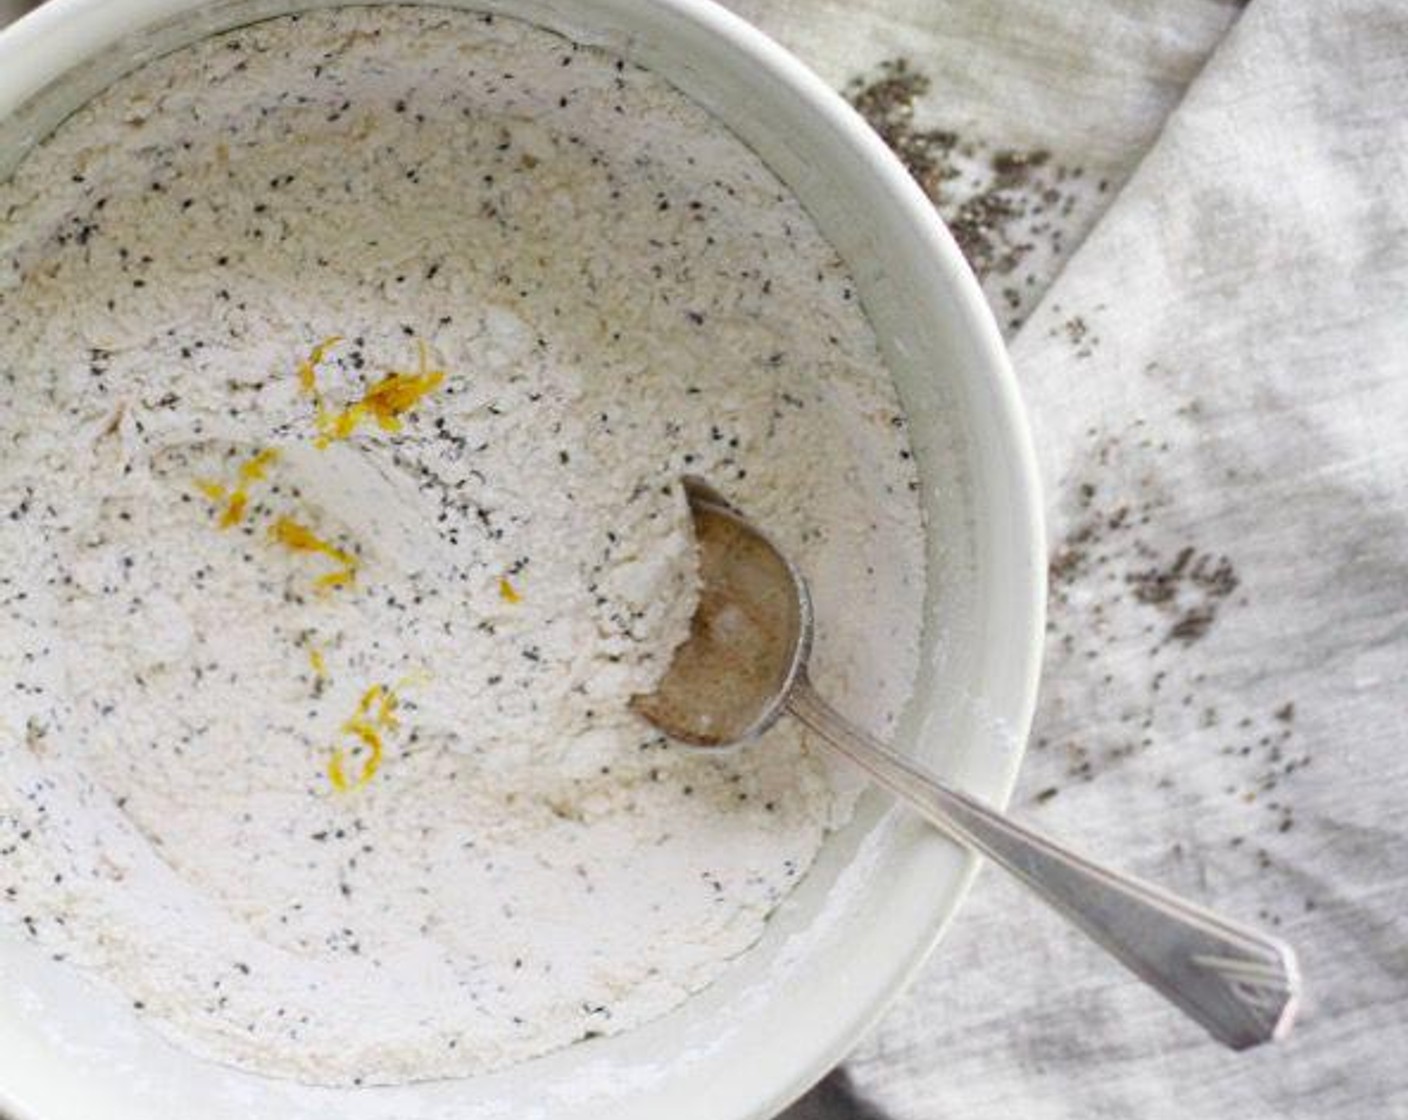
x=1097, y=79
x=1220, y=368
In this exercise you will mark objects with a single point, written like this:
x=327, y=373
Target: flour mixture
x=349, y=366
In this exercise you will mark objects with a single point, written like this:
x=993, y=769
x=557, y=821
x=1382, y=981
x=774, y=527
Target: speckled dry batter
x=349, y=363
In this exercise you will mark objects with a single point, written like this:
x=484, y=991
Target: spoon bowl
x=749, y=638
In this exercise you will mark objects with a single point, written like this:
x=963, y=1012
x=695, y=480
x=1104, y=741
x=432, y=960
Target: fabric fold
x=1216, y=385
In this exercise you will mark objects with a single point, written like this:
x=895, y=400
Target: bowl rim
x=50, y=39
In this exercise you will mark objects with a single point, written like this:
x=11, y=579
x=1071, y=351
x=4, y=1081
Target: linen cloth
x=1210, y=324
x=1217, y=380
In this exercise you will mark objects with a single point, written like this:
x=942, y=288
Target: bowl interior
x=884, y=886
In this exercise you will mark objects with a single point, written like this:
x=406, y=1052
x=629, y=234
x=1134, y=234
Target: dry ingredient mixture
x=350, y=362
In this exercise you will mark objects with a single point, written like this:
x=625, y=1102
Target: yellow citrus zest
x=308, y=367
x=507, y=592
x=234, y=511
x=299, y=538
x=376, y=712
x=255, y=470
x=236, y=499
x=413, y=680
x=385, y=402
x=317, y=662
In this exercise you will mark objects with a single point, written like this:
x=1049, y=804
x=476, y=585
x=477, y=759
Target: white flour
x=203, y=798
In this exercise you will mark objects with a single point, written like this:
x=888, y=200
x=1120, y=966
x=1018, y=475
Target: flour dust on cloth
x=1217, y=385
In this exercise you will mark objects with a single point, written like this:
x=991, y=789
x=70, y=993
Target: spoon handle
x=1241, y=985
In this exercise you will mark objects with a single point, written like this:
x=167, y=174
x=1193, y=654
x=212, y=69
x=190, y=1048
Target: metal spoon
x=745, y=664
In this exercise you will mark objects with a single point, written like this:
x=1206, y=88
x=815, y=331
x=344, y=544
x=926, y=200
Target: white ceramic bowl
x=884, y=887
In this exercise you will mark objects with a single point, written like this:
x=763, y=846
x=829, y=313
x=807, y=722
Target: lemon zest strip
x=384, y=402
x=376, y=712
x=299, y=538
x=236, y=500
